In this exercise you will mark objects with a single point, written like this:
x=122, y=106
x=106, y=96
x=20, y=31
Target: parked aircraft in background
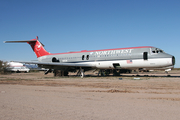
x=132, y=58
x=17, y=67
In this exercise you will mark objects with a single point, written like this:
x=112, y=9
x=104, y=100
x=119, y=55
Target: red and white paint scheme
x=132, y=58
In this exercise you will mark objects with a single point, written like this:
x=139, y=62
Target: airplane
x=132, y=58
x=17, y=67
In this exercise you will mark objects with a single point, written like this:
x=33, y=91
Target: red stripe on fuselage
x=84, y=51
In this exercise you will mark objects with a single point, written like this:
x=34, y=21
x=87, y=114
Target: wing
x=61, y=64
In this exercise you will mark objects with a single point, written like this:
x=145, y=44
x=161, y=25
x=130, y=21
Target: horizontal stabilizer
x=24, y=41
x=37, y=46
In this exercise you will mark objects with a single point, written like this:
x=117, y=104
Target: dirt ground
x=35, y=96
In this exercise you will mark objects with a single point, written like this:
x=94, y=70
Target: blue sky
x=74, y=25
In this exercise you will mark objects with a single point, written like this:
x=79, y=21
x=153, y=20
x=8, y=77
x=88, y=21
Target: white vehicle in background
x=17, y=67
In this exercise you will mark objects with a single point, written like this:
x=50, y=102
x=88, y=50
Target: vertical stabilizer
x=38, y=47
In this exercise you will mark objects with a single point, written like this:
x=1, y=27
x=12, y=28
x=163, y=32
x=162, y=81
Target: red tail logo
x=38, y=46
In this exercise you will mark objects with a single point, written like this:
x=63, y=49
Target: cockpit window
x=161, y=51
x=157, y=51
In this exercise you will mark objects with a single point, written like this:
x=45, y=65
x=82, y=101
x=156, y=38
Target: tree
x=3, y=67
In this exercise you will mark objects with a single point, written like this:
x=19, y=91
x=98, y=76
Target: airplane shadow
x=151, y=75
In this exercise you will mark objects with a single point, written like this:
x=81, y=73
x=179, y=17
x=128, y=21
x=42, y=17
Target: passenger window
x=87, y=57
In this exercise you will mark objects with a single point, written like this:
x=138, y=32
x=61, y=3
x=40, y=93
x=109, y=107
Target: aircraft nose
x=173, y=60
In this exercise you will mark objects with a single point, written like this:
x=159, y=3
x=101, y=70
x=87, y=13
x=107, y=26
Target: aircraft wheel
x=65, y=73
x=115, y=73
x=82, y=74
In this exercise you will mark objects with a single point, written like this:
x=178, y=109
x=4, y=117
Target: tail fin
x=37, y=46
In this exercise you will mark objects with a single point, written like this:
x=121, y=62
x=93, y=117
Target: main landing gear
x=60, y=73
x=57, y=72
x=80, y=72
